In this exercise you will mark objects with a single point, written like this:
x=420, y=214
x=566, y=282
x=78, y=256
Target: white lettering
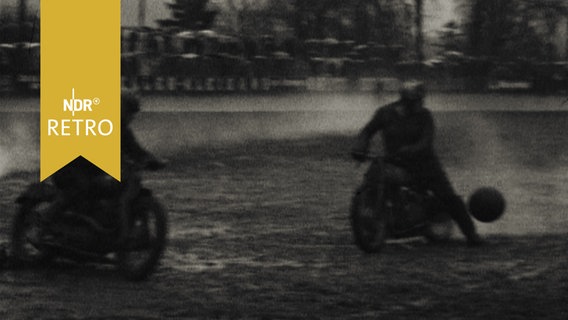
x=64, y=127
x=68, y=105
x=75, y=105
x=89, y=126
x=79, y=127
x=109, y=130
x=52, y=126
x=87, y=104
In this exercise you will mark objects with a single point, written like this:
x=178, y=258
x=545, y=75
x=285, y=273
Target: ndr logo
x=77, y=105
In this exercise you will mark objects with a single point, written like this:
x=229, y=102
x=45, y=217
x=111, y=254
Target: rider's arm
x=364, y=137
x=375, y=124
x=425, y=143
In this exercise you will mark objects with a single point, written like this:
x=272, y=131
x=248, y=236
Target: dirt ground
x=259, y=230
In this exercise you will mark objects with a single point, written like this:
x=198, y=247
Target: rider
x=133, y=157
x=408, y=136
x=76, y=180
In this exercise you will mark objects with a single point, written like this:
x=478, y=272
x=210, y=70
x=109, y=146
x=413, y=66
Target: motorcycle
x=389, y=204
x=92, y=236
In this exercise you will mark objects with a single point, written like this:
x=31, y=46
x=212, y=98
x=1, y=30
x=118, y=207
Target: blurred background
x=317, y=45
x=256, y=103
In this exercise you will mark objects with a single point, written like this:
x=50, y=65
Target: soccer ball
x=486, y=204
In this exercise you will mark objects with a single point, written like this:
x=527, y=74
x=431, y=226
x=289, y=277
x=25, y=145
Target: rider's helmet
x=412, y=91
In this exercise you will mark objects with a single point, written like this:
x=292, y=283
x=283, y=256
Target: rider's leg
x=129, y=189
x=374, y=181
x=439, y=183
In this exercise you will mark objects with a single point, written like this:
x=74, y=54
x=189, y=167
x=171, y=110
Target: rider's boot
x=460, y=215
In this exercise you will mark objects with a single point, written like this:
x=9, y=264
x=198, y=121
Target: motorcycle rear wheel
x=368, y=223
x=26, y=234
x=140, y=261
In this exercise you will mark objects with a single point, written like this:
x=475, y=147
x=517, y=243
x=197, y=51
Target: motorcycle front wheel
x=26, y=236
x=147, y=240
x=369, y=224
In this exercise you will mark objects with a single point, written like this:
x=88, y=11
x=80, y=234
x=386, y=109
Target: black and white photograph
x=299, y=159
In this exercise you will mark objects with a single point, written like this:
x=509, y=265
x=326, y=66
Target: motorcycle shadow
x=62, y=267
x=489, y=244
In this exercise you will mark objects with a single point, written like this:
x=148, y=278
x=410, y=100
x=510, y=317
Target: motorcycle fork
x=391, y=205
x=386, y=193
x=126, y=201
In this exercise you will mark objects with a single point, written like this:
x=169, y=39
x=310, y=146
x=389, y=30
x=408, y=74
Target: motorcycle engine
x=79, y=236
x=412, y=207
x=105, y=212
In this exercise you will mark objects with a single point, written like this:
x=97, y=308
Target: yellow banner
x=80, y=84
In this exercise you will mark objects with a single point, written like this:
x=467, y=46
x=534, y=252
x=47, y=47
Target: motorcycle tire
x=368, y=224
x=132, y=262
x=25, y=250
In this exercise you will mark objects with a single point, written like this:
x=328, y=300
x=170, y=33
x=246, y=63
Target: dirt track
x=259, y=229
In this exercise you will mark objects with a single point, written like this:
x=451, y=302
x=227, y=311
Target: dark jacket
x=409, y=136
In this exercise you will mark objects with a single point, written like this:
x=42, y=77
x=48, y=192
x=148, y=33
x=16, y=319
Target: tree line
x=496, y=29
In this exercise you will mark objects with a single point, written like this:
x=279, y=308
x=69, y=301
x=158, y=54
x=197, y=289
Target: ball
x=486, y=204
